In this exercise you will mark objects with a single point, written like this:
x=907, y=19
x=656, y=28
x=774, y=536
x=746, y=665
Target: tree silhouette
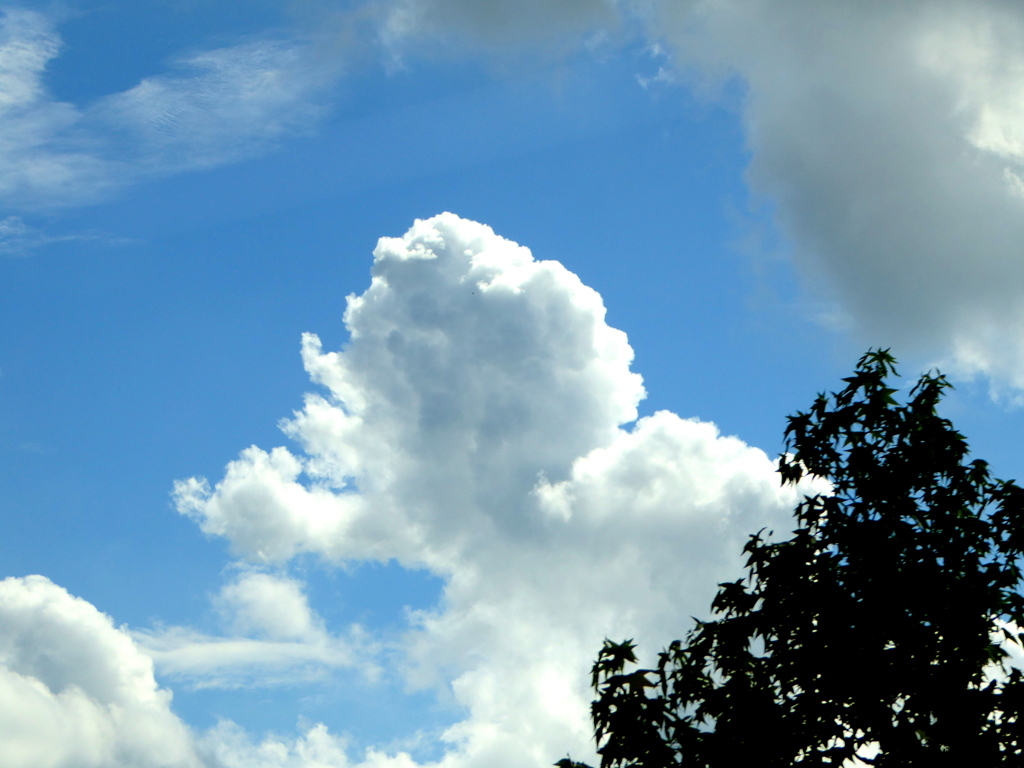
x=876, y=633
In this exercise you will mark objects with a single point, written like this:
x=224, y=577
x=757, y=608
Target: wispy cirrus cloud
x=43, y=157
x=214, y=107
x=220, y=106
x=20, y=239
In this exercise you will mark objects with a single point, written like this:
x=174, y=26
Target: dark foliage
x=880, y=623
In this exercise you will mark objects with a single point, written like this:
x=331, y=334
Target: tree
x=878, y=630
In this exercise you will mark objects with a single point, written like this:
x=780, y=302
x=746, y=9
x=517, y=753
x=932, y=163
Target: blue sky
x=754, y=194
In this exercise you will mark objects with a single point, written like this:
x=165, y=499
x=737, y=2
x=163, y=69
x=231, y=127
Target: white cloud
x=225, y=105
x=272, y=606
x=75, y=691
x=272, y=637
x=473, y=425
x=228, y=746
x=39, y=158
x=888, y=137
x=221, y=105
x=19, y=239
x=465, y=350
x=213, y=661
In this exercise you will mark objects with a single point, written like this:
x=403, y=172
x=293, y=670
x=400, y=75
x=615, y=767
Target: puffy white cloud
x=474, y=425
x=472, y=369
x=78, y=692
x=272, y=606
x=228, y=746
x=75, y=691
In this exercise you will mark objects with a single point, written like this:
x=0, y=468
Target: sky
x=364, y=364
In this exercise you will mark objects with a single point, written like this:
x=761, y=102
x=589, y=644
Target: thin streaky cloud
x=272, y=637
x=214, y=107
x=20, y=239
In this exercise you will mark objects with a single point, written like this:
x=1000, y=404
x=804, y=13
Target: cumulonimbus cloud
x=479, y=424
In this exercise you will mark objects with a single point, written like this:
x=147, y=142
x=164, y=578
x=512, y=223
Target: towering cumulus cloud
x=473, y=426
x=472, y=371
